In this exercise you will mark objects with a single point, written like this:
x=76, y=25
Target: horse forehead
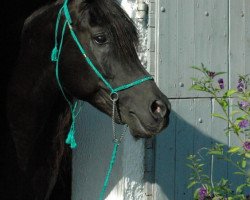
x=97, y=29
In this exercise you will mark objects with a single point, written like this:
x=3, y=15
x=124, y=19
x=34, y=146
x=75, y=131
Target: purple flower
x=202, y=193
x=211, y=74
x=221, y=83
x=243, y=123
x=246, y=145
x=240, y=87
x=244, y=105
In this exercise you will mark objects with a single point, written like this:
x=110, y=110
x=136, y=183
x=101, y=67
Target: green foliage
x=238, y=124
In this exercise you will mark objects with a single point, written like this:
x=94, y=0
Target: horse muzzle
x=150, y=122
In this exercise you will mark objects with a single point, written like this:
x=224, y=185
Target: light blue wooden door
x=191, y=32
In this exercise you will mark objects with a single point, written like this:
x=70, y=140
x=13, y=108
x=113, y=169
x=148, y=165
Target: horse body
x=38, y=115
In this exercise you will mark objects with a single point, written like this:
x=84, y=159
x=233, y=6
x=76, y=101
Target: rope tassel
x=71, y=138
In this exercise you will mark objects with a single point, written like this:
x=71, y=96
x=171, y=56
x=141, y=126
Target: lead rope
x=116, y=141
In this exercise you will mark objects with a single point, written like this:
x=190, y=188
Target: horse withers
x=39, y=117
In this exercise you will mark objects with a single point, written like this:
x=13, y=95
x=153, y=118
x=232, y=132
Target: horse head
x=109, y=38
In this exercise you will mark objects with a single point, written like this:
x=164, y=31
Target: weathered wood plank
x=239, y=39
x=239, y=57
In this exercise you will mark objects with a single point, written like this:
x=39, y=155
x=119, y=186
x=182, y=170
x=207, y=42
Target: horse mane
x=109, y=14
x=104, y=13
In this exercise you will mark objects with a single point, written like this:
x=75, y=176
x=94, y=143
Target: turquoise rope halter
x=55, y=55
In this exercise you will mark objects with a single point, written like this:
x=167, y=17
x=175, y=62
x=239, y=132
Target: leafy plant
x=237, y=116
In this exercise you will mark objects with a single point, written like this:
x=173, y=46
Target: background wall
x=189, y=33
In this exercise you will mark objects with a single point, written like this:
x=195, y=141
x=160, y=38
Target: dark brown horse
x=39, y=117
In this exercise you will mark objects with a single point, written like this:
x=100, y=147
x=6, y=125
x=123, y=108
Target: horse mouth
x=140, y=130
x=138, y=127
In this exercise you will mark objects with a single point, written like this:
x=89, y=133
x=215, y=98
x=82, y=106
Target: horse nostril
x=158, y=109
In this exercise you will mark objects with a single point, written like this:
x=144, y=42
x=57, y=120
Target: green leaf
x=240, y=188
x=198, y=87
x=243, y=163
x=224, y=182
x=229, y=93
x=190, y=166
x=247, y=154
x=234, y=149
x=215, y=152
x=219, y=116
x=196, y=193
x=239, y=173
x=217, y=198
x=191, y=184
x=219, y=73
x=241, y=118
x=223, y=103
x=191, y=157
x=198, y=68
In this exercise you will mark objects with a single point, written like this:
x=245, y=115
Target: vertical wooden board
x=202, y=133
x=211, y=36
x=247, y=39
x=176, y=46
x=190, y=33
x=166, y=46
x=219, y=36
x=239, y=48
x=185, y=47
x=185, y=134
x=165, y=158
x=192, y=136
x=234, y=141
x=239, y=43
x=219, y=167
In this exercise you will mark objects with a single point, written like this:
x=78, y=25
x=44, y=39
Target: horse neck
x=33, y=88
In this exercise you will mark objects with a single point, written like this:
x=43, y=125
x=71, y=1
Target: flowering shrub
x=237, y=115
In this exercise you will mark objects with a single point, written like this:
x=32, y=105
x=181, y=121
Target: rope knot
x=54, y=54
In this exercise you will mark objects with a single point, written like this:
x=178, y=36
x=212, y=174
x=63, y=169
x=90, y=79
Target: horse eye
x=100, y=39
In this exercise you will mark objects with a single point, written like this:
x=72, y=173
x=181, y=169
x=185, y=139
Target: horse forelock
x=109, y=15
